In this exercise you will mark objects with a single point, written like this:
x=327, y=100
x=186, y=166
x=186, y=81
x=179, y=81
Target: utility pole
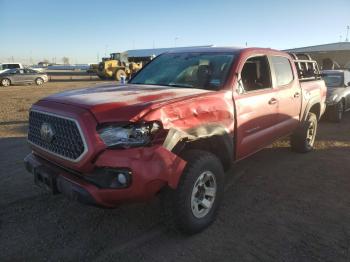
x=347, y=34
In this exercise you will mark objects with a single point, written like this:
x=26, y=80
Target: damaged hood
x=123, y=103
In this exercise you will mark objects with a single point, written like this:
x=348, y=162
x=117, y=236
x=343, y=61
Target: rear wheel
x=194, y=204
x=39, y=81
x=336, y=112
x=5, y=82
x=119, y=74
x=303, y=139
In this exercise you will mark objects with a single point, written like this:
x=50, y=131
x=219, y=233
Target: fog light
x=111, y=177
x=122, y=179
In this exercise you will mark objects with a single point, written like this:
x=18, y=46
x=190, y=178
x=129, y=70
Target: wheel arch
x=213, y=139
x=314, y=106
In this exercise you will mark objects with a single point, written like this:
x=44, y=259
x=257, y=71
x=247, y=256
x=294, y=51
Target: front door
x=30, y=75
x=257, y=107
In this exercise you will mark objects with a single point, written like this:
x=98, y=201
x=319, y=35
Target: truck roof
x=222, y=49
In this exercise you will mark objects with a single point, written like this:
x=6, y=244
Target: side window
x=256, y=74
x=283, y=70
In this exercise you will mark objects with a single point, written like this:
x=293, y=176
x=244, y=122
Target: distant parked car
x=5, y=67
x=338, y=94
x=22, y=76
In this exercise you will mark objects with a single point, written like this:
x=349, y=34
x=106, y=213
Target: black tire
x=119, y=73
x=5, y=82
x=39, y=81
x=336, y=112
x=303, y=138
x=102, y=77
x=178, y=204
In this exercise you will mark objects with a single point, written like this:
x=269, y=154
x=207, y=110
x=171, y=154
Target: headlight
x=129, y=135
x=334, y=97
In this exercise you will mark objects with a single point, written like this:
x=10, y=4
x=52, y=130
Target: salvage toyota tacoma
x=174, y=129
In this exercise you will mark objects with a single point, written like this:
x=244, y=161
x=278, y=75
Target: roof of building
x=340, y=46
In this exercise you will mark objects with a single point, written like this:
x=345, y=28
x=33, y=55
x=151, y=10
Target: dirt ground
x=279, y=205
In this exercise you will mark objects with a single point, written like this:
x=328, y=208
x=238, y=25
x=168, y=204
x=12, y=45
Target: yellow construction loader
x=116, y=66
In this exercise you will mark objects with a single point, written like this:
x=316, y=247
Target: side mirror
x=348, y=83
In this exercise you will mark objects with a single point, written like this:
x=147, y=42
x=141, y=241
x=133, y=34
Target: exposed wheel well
x=220, y=146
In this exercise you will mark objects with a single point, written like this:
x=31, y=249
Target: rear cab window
x=283, y=70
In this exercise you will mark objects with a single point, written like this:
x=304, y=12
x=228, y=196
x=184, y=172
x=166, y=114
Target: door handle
x=296, y=95
x=272, y=101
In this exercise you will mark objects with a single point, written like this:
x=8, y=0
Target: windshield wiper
x=180, y=85
x=161, y=84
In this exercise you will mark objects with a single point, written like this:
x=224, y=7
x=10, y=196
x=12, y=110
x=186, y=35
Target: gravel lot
x=279, y=205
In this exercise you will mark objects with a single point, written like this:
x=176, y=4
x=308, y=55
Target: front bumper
x=151, y=168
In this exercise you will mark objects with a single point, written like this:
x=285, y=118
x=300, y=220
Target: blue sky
x=81, y=30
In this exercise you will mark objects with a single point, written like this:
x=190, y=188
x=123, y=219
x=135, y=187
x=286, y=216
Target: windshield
x=193, y=70
x=333, y=80
x=115, y=56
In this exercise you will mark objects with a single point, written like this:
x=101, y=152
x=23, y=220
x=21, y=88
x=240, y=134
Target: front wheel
x=194, y=204
x=303, y=139
x=119, y=74
x=5, y=82
x=39, y=81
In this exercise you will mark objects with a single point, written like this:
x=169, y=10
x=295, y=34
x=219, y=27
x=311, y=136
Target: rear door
x=256, y=106
x=288, y=94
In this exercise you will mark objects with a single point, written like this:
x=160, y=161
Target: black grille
x=66, y=140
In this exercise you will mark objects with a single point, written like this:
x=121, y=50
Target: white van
x=7, y=66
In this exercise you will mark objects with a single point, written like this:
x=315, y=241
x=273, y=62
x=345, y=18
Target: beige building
x=328, y=56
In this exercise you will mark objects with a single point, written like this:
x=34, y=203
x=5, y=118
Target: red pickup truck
x=173, y=130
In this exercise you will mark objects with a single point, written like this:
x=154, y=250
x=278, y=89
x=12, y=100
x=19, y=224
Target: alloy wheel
x=203, y=194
